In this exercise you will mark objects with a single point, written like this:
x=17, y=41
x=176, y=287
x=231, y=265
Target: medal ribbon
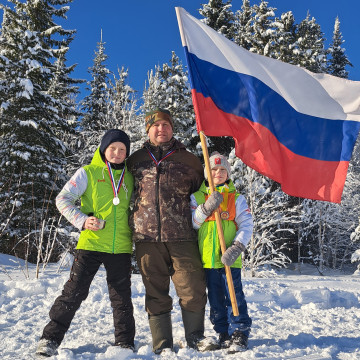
x=224, y=204
x=117, y=188
x=158, y=162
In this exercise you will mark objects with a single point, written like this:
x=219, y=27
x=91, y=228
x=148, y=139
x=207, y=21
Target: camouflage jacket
x=162, y=192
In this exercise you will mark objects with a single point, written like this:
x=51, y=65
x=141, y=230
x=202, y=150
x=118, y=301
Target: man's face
x=160, y=132
x=115, y=153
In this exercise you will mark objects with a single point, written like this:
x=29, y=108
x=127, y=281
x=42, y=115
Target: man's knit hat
x=156, y=115
x=217, y=159
x=112, y=136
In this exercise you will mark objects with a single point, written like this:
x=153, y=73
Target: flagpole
x=211, y=183
x=219, y=225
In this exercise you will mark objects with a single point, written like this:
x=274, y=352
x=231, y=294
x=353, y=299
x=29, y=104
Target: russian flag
x=289, y=124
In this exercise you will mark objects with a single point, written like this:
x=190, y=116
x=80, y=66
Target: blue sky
x=140, y=34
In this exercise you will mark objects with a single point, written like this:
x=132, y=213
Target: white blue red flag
x=294, y=126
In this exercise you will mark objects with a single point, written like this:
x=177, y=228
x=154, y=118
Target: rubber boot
x=194, y=331
x=161, y=331
x=193, y=326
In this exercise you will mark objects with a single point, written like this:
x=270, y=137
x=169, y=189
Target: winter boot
x=224, y=340
x=238, y=342
x=125, y=346
x=46, y=348
x=161, y=331
x=194, y=331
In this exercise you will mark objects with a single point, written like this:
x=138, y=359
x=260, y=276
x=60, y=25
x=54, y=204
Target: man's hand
x=232, y=253
x=212, y=203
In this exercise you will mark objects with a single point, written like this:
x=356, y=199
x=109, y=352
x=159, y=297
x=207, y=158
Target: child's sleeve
x=72, y=191
x=244, y=221
x=198, y=217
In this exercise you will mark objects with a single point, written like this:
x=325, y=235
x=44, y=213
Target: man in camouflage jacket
x=165, y=175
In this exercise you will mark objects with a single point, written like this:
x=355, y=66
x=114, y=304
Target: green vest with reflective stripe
x=97, y=199
x=208, y=238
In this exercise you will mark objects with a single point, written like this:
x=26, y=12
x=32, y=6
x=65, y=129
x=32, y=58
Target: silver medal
x=116, y=201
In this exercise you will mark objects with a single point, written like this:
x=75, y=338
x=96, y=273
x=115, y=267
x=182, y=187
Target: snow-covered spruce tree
x=219, y=16
x=344, y=218
x=63, y=87
x=96, y=107
x=325, y=227
x=285, y=41
x=243, y=29
x=351, y=192
x=264, y=30
x=315, y=216
x=273, y=218
x=168, y=87
x=123, y=109
x=32, y=155
x=310, y=52
x=338, y=60
x=176, y=87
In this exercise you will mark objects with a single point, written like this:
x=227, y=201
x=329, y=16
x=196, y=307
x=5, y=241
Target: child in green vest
x=237, y=227
x=104, y=187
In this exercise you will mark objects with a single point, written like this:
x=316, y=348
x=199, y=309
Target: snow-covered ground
x=295, y=316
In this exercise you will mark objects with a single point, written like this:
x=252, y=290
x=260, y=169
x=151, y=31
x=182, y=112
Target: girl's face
x=219, y=175
x=115, y=153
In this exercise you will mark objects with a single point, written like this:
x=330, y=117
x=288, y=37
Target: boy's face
x=115, y=153
x=160, y=132
x=219, y=175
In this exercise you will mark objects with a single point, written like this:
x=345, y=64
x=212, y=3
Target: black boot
x=224, y=340
x=238, y=342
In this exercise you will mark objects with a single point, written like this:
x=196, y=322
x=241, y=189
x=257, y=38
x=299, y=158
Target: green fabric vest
x=209, y=244
x=115, y=238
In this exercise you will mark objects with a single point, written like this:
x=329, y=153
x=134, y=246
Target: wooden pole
x=219, y=226
x=212, y=188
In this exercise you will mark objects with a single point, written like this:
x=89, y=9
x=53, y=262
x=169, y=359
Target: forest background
x=48, y=130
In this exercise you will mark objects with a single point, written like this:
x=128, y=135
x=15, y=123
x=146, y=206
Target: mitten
x=232, y=253
x=212, y=203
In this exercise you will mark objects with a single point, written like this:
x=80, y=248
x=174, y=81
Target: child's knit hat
x=217, y=159
x=156, y=115
x=114, y=135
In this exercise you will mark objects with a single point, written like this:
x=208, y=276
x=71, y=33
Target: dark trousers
x=85, y=266
x=221, y=315
x=180, y=261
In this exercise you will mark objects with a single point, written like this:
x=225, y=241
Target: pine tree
x=66, y=89
x=338, y=60
x=176, y=87
x=243, y=27
x=32, y=155
x=310, y=52
x=168, y=88
x=96, y=106
x=285, y=42
x=264, y=30
x=123, y=112
x=219, y=16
